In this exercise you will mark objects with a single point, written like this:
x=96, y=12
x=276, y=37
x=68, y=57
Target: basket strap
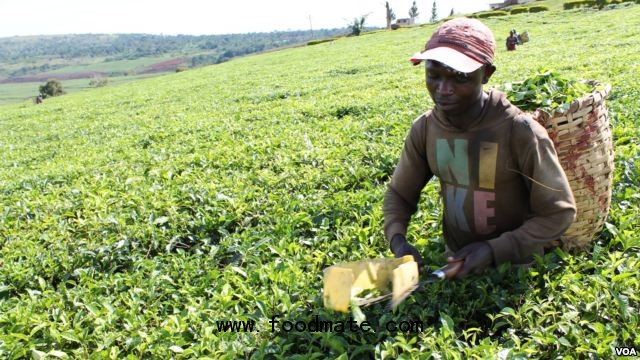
x=511, y=162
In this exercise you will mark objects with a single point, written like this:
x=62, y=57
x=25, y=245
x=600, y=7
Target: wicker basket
x=582, y=138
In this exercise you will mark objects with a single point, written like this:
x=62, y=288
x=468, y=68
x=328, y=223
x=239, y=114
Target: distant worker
x=515, y=33
x=512, y=40
x=39, y=99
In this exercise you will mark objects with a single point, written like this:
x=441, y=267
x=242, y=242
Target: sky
x=205, y=17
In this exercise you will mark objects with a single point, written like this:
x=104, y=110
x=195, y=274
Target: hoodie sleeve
x=409, y=178
x=551, y=202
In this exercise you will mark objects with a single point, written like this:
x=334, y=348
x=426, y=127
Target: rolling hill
x=28, y=61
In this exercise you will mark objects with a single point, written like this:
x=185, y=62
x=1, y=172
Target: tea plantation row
x=134, y=217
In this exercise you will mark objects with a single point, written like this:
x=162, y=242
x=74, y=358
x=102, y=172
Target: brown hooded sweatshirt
x=500, y=178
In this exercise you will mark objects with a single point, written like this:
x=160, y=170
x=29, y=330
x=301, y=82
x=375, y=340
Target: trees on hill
x=413, y=12
x=98, y=82
x=23, y=56
x=390, y=15
x=434, y=12
x=51, y=88
x=357, y=26
x=132, y=46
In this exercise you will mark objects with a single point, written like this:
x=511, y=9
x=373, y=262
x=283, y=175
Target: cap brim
x=449, y=57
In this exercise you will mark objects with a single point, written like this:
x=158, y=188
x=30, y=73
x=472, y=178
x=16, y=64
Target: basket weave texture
x=582, y=138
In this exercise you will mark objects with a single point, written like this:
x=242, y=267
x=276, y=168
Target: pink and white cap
x=462, y=44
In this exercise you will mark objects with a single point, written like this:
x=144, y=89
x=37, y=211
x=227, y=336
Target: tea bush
x=319, y=41
x=577, y=4
x=538, y=8
x=489, y=14
x=519, y=10
x=136, y=216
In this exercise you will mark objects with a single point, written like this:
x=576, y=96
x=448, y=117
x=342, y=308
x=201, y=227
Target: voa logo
x=626, y=351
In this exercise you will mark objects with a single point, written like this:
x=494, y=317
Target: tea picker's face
x=454, y=92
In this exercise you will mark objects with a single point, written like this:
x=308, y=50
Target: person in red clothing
x=512, y=40
x=504, y=192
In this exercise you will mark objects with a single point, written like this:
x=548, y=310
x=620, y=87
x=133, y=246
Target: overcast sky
x=200, y=17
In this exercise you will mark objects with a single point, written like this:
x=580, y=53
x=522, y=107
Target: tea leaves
x=133, y=218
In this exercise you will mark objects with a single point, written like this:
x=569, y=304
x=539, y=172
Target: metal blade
x=393, y=304
x=375, y=300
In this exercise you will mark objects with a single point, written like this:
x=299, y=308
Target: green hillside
x=26, y=62
x=136, y=216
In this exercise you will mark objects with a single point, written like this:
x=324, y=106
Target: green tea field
x=139, y=220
